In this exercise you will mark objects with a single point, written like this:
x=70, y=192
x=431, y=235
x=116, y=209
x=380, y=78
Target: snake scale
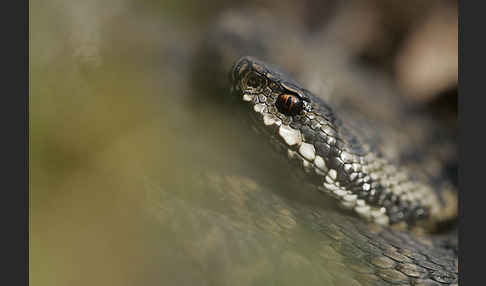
x=351, y=147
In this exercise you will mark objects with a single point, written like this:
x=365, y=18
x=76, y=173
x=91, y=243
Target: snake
x=333, y=154
x=341, y=162
x=380, y=162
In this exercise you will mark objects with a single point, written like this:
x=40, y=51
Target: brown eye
x=289, y=104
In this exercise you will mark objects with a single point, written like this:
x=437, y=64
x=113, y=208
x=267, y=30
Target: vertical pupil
x=289, y=101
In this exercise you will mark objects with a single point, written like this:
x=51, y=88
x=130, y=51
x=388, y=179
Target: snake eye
x=289, y=104
x=255, y=82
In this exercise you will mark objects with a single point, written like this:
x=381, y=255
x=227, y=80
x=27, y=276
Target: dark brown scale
x=322, y=149
x=255, y=81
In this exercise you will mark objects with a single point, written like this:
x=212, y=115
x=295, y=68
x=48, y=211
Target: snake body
x=334, y=154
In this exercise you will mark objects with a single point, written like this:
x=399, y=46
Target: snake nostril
x=253, y=80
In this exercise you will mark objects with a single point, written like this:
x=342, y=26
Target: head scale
x=255, y=80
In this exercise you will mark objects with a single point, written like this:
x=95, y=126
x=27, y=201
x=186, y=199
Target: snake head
x=260, y=83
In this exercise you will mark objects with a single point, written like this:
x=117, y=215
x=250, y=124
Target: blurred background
x=123, y=138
